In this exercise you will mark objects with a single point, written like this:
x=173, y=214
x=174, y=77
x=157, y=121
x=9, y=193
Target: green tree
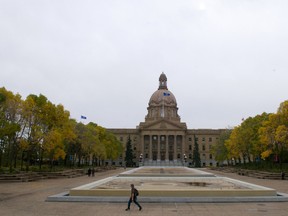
x=10, y=126
x=35, y=127
x=196, y=155
x=129, y=153
x=100, y=153
x=46, y=127
x=113, y=147
x=219, y=150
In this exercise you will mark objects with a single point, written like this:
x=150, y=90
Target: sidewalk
x=29, y=199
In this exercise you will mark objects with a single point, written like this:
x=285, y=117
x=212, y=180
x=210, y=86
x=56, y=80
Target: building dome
x=162, y=103
x=163, y=96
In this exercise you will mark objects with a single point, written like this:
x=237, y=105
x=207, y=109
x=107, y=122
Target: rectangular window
x=210, y=139
x=190, y=147
x=203, y=139
x=190, y=139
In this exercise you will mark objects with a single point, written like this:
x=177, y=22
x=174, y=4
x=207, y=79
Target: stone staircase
x=21, y=177
x=252, y=173
x=63, y=174
x=35, y=176
x=161, y=163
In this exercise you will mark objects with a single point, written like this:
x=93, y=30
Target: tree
x=220, y=150
x=129, y=153
x=113, y=146
x=10, y=126
x=232, y=144
x=273, y=134
x=36, y=129
x=46, y=128
x=35, y=126
x=196, y=155
x=58, y=131
x=281, y=138
x=249, y=137
x=243, y=144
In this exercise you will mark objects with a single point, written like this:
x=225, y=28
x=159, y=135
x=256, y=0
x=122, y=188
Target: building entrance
x=171, y=156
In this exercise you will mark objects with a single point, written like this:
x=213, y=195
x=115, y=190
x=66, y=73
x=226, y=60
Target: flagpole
x=163, y=105
x=163, y=110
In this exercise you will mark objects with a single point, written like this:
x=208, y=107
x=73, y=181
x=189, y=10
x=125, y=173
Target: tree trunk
x=22, y=159
x=28, y=160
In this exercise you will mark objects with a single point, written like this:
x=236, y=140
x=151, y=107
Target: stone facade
x=163, y=139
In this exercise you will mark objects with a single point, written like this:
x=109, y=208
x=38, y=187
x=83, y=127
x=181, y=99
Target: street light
x=185, y=158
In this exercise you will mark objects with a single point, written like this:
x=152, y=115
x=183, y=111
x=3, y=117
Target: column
x=167, y=148
x=175, y=148
x=142, y=147
x=150, y=148
x=158, y=148
x=182, y=145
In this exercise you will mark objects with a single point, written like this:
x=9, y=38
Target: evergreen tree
x=129, y=153
x=196, y=155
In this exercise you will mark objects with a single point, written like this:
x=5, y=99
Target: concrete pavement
x=28, y=198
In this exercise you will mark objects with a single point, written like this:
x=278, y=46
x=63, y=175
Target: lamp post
x=140, y=159
x=185, y=159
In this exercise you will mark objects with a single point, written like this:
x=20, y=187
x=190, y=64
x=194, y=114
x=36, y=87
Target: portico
x=162, y=146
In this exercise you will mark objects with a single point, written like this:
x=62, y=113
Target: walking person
x=93, y=172
x=133, y=198
x=89, y=172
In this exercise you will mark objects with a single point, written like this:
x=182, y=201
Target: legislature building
x=163, y=139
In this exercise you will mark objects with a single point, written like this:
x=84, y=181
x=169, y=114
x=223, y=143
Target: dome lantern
x=163, y=82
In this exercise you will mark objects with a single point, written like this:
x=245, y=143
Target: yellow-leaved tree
x=274, y=134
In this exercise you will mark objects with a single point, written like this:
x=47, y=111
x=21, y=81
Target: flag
x=166, y=94
x=83, y=117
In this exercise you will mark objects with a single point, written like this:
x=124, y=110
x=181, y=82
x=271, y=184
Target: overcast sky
x=224, y=59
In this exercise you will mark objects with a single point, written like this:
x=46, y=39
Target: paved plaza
x=28, y=198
